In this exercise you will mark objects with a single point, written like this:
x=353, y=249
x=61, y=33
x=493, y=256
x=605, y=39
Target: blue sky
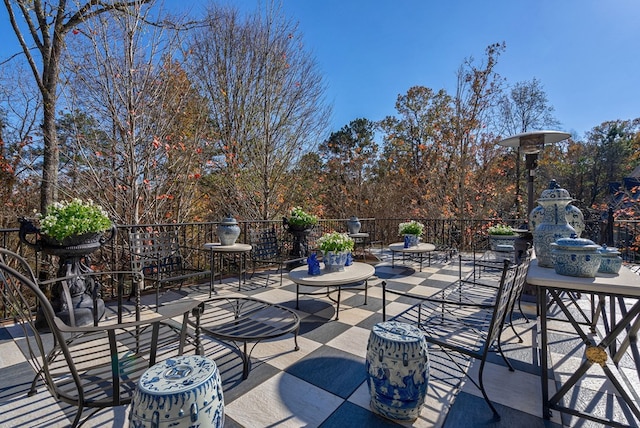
x=586, y=53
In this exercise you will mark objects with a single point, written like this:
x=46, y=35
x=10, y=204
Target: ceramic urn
x=228, y=231
x=553, y=225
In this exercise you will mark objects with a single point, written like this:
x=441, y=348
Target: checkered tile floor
x=323, y=383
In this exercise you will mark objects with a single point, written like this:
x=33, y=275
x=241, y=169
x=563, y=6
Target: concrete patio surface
x=323, y=384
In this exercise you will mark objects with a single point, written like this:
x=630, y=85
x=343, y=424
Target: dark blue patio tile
x=399, y=286
x=351, y=415
x=333, y=370
x=370, y=321
x=473, y=412
x=320, y=329
x=398, y=271
x=318, y=303
x=357, y=301
x=233, y=384
x=4, y=334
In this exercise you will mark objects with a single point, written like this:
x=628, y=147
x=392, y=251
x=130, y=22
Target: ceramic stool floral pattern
x=185, y=391
x=398, y=370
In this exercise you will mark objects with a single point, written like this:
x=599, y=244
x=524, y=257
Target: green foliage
x=299, y=217
x=501, y=229
x=411, y=228
x=64, y=219
x=335, y=241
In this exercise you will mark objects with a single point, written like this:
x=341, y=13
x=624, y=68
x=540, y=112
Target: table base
x=241, y=320
x=328, y=293
x=602, y=353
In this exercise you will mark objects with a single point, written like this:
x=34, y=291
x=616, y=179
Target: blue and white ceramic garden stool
x=185, y=391
x=398, y=370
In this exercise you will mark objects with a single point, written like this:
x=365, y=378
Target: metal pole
x=531, y=162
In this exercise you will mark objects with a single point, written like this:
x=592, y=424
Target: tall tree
x=19, y=155
x=139, y=126
x=522, y=109
x=47, y=24
x=612, y=144
x=477, y=90
x=349, y=154
x=417, y=154
x=266, y=98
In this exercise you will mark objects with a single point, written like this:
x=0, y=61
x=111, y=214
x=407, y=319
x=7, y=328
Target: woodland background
x=167, y=120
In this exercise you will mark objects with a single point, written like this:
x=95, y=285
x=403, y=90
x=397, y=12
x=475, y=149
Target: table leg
x=239, y=272
x=338, y=302
x=544, y=363
x=212, y=278
x=366, y=290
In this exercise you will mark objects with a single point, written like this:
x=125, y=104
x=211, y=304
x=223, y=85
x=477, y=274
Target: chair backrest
x=154, y=252
x=17, y=262
x=91, y=367
x=521, y=277
x=511, y=283
x=264, y=244
x=32, y=311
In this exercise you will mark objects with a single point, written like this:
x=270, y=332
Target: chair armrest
x=439, y=301
x=166, y=312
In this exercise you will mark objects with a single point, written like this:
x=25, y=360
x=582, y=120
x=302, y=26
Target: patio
x=323, y=384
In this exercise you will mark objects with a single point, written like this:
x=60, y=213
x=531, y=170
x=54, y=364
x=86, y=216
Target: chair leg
x=499, y=346
x=496, y=415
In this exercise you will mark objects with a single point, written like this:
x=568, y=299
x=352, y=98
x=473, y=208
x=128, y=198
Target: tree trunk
x=51, y=155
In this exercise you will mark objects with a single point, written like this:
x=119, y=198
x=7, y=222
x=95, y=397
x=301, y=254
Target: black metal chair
x=268, y=250
x=156, y=257
x=466, y=318
x=92, y=367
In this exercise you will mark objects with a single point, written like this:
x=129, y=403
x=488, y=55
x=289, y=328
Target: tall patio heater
x=531, y=143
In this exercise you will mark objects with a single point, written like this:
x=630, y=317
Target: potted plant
x=64, y=221
x=501, y=235
x=67, y=224
x=71, y=230
x=299, y=224
x=411, y=230
x=300, y=219
x=336, y=248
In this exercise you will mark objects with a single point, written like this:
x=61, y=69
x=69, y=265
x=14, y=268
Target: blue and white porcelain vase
x=610, y=260
x=353, y=225
x=181, y=392
x=397, y=370
x=411, y=240
x=553, y=225
x=228, y=231
x=574, y=217
x=576, y=257
x=335, y=261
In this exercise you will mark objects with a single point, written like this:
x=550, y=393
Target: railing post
x=610, y=241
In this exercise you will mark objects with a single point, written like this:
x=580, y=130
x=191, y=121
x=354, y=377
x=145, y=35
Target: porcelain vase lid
x=608, y=252
x=555, y=193
x=576, y=244
x=229, y=220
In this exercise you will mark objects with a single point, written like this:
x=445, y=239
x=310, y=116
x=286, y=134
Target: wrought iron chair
x=466, y=319
x=268, y=250
x=93, y=367
x=156, y=257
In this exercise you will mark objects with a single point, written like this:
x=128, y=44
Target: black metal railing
x=464, y=235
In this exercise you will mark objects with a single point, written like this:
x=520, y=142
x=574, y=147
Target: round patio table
x=420, y=250
x=351, y=277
